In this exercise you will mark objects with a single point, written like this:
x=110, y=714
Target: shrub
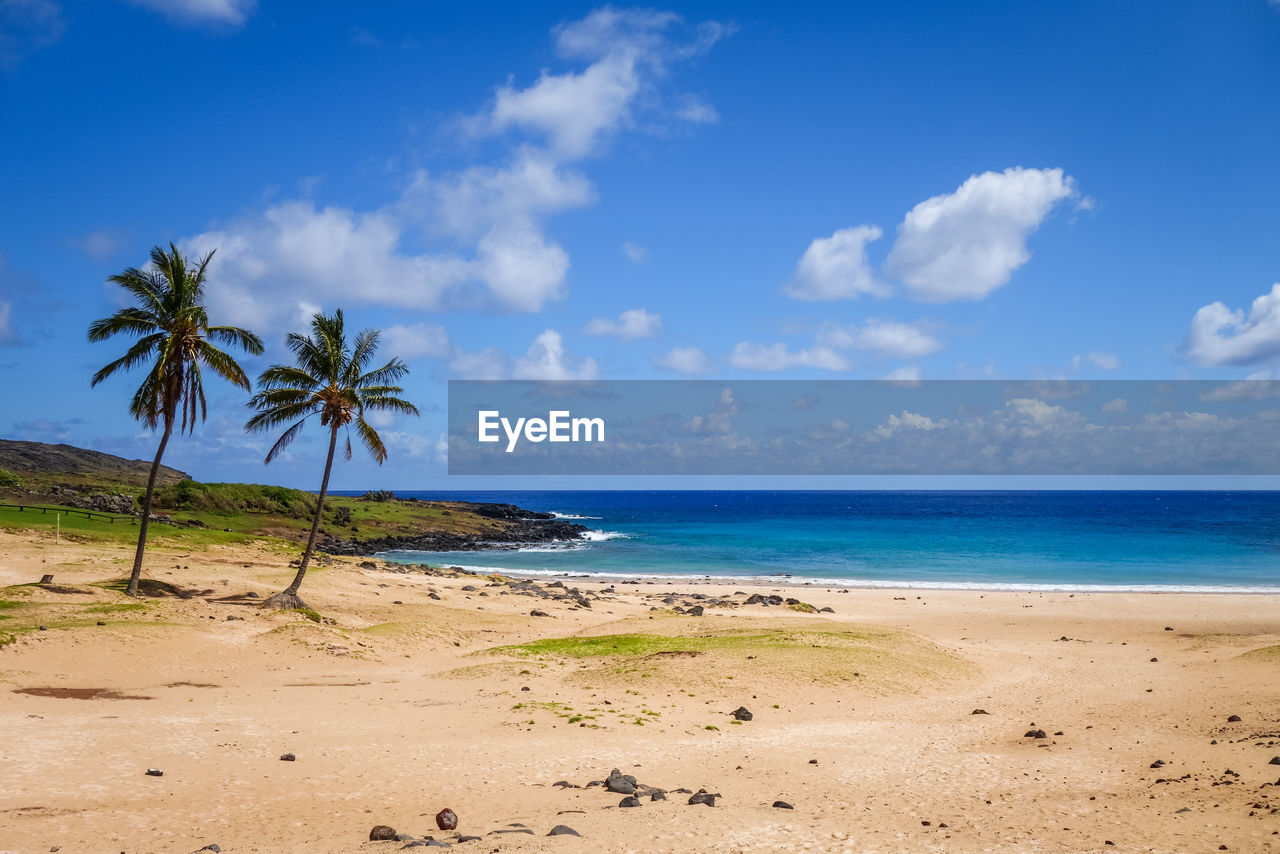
x=9, y=479
x=379, y=495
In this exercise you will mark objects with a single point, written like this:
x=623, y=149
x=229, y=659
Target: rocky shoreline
x=521, y=527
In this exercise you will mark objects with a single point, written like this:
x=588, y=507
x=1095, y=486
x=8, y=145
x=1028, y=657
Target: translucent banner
x=984, y=427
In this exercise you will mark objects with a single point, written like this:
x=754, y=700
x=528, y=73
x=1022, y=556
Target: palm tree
x=174, y=340
x=330, y=380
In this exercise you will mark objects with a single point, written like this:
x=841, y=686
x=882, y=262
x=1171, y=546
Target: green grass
x=123, y=529
x=115, y=608
x=636, y=645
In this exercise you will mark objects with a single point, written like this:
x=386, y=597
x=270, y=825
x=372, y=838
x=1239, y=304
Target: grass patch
x=313, y=616
x=1269, y=654
x=115, y=608
x=871, y=657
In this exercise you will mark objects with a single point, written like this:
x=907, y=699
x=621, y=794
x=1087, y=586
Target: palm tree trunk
x=289, y=596
x=132, y=589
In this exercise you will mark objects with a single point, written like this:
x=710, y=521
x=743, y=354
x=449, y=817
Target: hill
x=41, y=467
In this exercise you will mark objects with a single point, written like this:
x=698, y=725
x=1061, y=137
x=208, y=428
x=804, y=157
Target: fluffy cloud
x=546, y=359
x=27, y=26
x=420, y=339
x=627, y=49
x=908, y=374
x=903, y=340
x=966, y=244
x=1097, y=358
x=685, y=360
x=748, y=356
x=227, y=13
x=1221, y=336
x=836, y=267
x=631, y=324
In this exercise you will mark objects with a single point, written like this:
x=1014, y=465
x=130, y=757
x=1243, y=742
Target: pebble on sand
x=563, y=830
x=154, y=772
x=447, y=819
x=382, y=833
x=782, y=805
x=288, y=757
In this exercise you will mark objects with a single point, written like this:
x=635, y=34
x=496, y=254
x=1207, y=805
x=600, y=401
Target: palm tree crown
x=330, y=380
x=172, y=327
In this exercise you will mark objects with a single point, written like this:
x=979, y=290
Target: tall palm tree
x=174, y=339
x=328, y=379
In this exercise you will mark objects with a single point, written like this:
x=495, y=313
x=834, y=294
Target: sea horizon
x=1202, y=541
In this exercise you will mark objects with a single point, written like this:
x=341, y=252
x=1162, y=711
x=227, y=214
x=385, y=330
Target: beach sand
x=395, y=708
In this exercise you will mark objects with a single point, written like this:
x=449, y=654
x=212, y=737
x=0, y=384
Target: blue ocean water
x=1104, y=540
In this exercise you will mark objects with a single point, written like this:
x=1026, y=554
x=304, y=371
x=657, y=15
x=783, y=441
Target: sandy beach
x=397, y=705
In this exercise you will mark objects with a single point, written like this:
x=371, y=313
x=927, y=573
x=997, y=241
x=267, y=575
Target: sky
x=913, y=190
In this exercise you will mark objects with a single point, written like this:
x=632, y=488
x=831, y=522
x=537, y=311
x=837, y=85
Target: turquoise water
x=1205, y=541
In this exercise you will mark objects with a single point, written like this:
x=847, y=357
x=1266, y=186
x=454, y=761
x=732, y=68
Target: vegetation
x=10, y=480
x=329, y=379
x=43, y=468
x=174, y=339
x=235, y=498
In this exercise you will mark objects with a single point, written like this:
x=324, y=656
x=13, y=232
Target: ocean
x=1051, y=540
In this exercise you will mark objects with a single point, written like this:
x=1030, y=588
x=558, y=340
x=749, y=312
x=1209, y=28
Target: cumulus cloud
x=26, y=26
x=685, y=360
x=635, y=253
x=965, y=244
x=1222, y=336
x=416, y=340
x=631, y=324
x=697, y=111
x=749, y=356
x=908, y=374
x=627, y=50
x=890, y=338
x=836, y=267
x=1100, y=360
x=546, y=359
x=225, y=13
x=1119, y=404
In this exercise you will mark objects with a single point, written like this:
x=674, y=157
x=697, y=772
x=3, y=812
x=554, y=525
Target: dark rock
x=1275, y=760
x=1154, y=660
x=695, y=611
x=1159, y=763
x=658, y=795
x=703, y=798
x=979, y=712
x=382, y=833
x=447, y=819
x=1035, y=733
x=44, y=628
x=368, y=564
x=434, y=595
x=741, y=714
x=468, y=838
x=813, y=762
x=826, y=610
x=563, y=784
x=104, y=622
x=252, y=595
x=682, y=791
x=536, y=613
x=782, y=805
x=524, y=830
x=563, y=830
x=288, y=757
x=629, y=801
x=154, y=772
x=212, y=847
x=619, y=783
x=1234, y=719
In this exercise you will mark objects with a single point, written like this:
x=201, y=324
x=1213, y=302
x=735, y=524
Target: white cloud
x=965, y=244
x=903, y=340
x=631, y=324
x=836, y=267
x=417, y=446
x=908, y=374
x=1099, y=359
x=627, y=50
x=420, y=339
x=546, y=359
x=1221, y=336
x=231, y=13
x=685, y=360
x=909, y=421
x=697, y=111
x=748, y=356
x=1117, y=405
x=635, y=253
x=99, y=245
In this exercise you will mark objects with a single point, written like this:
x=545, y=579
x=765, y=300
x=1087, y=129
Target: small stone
x=979, y=712
x=1184, y=809
x=447, y=819
x=536, y=613
x=1154, y=660
x=525, y=688
x=382, y=833
x=252, y=595
x=1159, y=763
x=782, y=805
x=154, y=772
x=1275, y=760
x=213, y=847
x=1234, y=719
x=1035, y=733
x=44, y=628
x=926, y=823
x=561, y=830
x=104, y=622
x=741, y=714
x=629, y=801
x=288, y=757
x=703, y=798
x=468, y=838
x=619, y=783
x=658, y=796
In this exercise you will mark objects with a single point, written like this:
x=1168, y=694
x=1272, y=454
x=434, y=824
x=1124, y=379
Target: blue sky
x=941, y=190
